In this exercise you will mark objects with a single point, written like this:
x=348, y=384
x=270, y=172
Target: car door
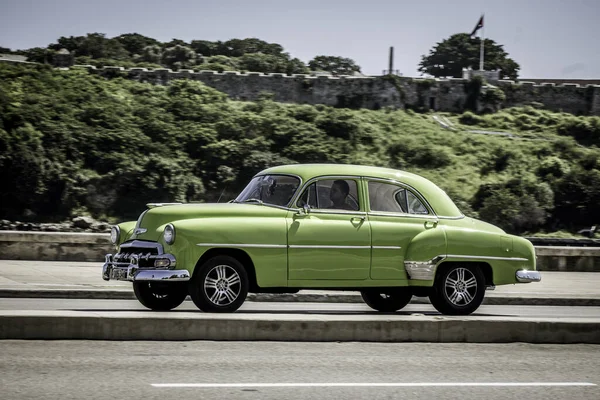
x=399, y=218
x=329, y=239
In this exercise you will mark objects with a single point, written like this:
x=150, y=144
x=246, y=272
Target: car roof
x=437, y=198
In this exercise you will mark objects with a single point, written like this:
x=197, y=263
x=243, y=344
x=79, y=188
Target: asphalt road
x=279, y=370
x=296, y=308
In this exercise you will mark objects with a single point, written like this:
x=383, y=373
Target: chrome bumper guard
x=130, y=271
x=528, y=276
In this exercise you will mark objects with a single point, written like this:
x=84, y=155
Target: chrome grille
x=138, y=252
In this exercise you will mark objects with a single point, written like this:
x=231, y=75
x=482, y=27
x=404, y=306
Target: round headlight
x=169, y=234
x=114, y=234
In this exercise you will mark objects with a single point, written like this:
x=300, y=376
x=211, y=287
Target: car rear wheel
x=458, y=290
x=387, y=300
x=220, y=285
x=160, y=296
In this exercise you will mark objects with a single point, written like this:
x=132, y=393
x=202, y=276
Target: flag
x=477, y=27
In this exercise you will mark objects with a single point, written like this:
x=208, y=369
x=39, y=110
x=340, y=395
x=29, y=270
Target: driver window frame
x=359, y=193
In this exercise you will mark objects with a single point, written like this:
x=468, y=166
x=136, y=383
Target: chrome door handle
x=431, y=224
x=357, y=218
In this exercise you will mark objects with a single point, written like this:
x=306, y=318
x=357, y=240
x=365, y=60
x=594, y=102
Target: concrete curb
x=66, y=325
x=103, y=294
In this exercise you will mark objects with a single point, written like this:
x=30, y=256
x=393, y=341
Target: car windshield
x=269, y=189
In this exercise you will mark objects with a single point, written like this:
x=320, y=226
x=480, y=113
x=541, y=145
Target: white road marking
x=373, y=384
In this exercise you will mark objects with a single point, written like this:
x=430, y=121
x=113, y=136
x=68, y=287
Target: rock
x=52, y=228
x=83, y=222
x=101, y=227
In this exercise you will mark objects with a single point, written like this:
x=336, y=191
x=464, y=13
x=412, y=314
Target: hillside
x=73, y=143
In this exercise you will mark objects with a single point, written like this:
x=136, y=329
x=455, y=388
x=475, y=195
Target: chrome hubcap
x=460, y=287
x=222, y=285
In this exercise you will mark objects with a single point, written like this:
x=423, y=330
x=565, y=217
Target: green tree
x=135, y=43
x=204, y=47
x=449, y=57
x=239, y=47
x=151, y=54
x=335, y=65
x=262, y=63
x=516, y=205
x=179, y=56
x=39, y=55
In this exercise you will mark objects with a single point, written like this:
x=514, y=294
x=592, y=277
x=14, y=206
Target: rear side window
x=386, y=197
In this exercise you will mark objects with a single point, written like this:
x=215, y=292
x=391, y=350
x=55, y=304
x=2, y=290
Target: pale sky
x=548, y=38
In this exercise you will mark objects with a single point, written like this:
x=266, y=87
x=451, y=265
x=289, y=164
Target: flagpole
x=481, y=47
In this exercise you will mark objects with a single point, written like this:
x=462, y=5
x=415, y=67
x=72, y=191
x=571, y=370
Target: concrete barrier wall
x=74, y=246
x=54, y=246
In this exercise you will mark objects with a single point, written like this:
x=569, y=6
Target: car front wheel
x=160, y=296
x=387, y=301
x=458, y=290
x=220, y=285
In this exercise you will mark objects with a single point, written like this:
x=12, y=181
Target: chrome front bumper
x=528, y=276
x=131, y=271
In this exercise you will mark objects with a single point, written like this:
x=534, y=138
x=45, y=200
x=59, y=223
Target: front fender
x=263, y=239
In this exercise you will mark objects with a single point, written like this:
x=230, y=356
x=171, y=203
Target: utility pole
x=391, y=65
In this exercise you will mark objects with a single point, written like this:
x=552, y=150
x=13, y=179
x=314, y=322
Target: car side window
x=392, y=198
x=331, y=194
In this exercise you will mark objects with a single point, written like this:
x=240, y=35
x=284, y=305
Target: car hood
x=153, y=219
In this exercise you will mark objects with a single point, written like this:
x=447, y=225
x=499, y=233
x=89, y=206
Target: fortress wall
x=370, y=92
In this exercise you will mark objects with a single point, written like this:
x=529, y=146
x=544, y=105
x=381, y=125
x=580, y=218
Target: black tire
x=458, y=290
x=226, y=285
x=160, y=296
x=387, y=300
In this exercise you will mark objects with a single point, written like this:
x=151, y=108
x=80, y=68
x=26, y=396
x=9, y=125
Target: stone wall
x=568, y=97
x=371, y=92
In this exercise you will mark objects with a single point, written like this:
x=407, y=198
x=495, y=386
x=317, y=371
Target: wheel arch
x=239, y=255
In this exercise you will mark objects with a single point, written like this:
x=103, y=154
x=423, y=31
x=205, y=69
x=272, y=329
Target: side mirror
x=304, y=210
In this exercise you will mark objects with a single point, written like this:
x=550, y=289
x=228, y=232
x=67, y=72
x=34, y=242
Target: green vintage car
x=387, y=233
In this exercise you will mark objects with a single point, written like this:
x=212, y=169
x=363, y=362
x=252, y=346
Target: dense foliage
x=135, y=50
x=448, y=58
x=73, y=143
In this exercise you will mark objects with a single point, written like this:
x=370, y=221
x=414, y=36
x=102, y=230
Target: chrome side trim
x=335, y=211
x=293, y=246
x=310, y=246
x=402, y=215
x=253, y=245
x=451, y=218
x=487, y=257
x=422, y=270
x=526, y=276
